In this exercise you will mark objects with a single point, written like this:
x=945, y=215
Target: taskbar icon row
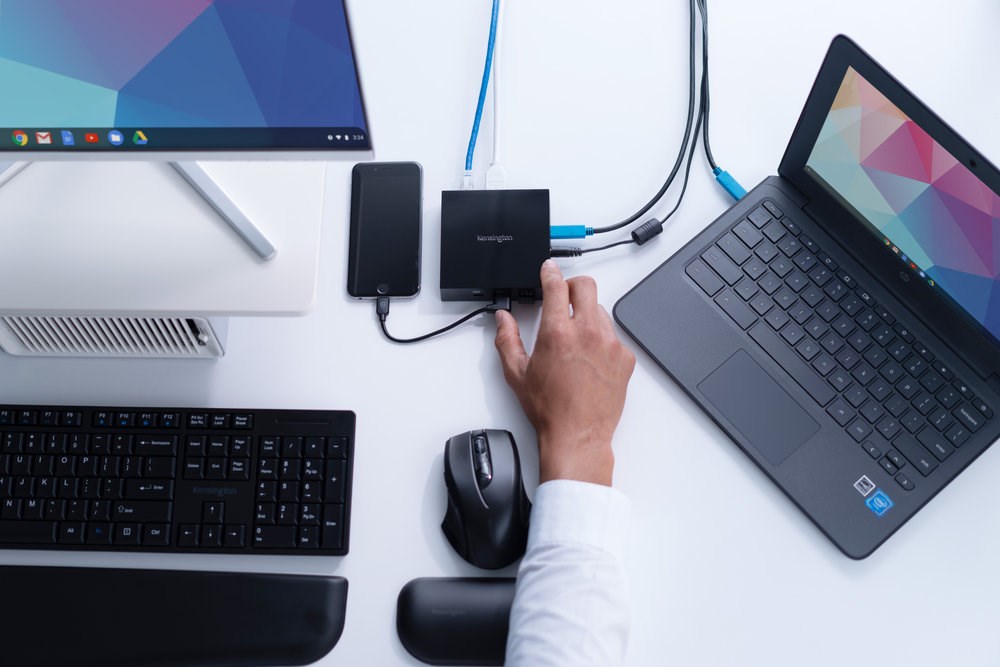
x=69, y=138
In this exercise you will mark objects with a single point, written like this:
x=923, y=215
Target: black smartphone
x=384, y=252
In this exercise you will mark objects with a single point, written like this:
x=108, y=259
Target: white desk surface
x=723, y=569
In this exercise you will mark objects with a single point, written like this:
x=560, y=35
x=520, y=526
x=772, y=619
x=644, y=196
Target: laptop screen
x=926, y=206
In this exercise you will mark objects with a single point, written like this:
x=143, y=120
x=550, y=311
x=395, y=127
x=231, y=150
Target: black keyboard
x=176, y=479
x=863, y=364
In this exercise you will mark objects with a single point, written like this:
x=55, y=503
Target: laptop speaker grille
x=168, y=337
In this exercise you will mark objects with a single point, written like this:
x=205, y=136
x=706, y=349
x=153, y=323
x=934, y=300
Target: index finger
x=555, y=293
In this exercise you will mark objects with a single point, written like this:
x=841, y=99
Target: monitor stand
x=209, y=190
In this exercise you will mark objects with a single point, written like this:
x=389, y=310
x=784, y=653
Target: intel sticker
x=879, y=503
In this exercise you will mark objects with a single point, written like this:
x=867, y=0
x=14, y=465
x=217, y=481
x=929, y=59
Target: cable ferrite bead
x=647, y=230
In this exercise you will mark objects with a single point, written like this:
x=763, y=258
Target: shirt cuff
x=567, y=511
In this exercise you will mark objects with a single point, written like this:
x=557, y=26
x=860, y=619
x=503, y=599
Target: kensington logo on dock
x=494, y=238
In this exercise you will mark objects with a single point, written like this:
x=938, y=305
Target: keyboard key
x=100, y=533
x=759, y=217
x=782, y=266
x=127, y=534
x=957, y=435
x=776, y=318
x=983, y=408
x=918, y=457
x=197, y=420
x=964, y=390
x=789, y=245
x=866, y=319
x=831, y=342
x=732, y=246
x=835, y=290
x=274, y=537
x=141, y=511
x=856, y=396
x=785, y=297
x=882, y=335
x=766, y=251
x=904, y=333
x=895, y=405
x=746, y=288
x=770, y=283
x=859, y=341
x=761, y=303
x=888, y=466
x=755, y=268
x=896, y=458
x=864, y=374
x=806, y=261
x=211, y=537
x=931, y=381
x=333, y=527
x=828, y=311
x=242, y=421
x=887, y=426
x=808, y=349
x=848, y=358
x=873, y=451
x=891, y=371
x=774, y=230
x=879, y=389
x=187, y=535
x=773, y=209
x=828, y=261
x=722, y=265
x=234, y=536
x=823, y=364
x=908, y=388
x=220, y=421
x=748, y=233
x=792, y=334
x=792, y=228
x=915, y=365
x=899, y=350
x=935, y=443
x=875, y=356
x=811, y=295
x=940, y=419
x=800, y=312
x=843, y=325
x=839, y=379
x=156, y=535
x=841, y=412
x=912, y=421
x=71, y=532
x=969, y=417
x=872, y=412
x=816, y=327
x=885, y=315
x=904, y=481
x=820, y=275
x=859, y=430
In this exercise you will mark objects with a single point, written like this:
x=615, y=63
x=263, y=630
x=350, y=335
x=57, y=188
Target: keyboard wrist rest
x=158, y=618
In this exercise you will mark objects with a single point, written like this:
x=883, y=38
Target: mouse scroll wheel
x=481, y=460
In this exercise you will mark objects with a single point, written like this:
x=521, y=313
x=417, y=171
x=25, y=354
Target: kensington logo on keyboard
x=220, y=491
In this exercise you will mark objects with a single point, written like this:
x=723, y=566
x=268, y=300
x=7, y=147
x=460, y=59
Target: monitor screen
x=926, y=207
x=178, y=75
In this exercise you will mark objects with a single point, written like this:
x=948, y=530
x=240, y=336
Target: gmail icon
x=43, y=137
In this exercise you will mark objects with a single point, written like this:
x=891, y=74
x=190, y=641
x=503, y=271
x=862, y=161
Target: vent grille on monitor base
x=134, y=337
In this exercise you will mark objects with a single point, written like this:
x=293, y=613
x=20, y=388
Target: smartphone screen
x=384, y=253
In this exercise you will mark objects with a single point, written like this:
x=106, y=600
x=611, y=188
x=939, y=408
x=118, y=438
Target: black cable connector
x=647, y=231
x=501, y=301
x=563, y=251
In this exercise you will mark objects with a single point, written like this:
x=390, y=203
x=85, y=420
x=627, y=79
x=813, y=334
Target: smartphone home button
x=382, y=289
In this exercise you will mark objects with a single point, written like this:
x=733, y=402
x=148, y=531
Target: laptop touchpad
x=756, y=404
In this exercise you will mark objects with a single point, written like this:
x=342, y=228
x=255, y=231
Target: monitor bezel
x=966, y=335
x=152, y=154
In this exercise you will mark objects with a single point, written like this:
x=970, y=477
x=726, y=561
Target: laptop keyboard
x=902, y=405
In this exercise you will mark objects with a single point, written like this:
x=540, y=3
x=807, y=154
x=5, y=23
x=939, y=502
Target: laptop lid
x=912, y=200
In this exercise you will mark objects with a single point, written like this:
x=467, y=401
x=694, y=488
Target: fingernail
x=549, y=263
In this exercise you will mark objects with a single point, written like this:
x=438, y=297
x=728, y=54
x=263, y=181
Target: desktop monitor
x=160, y=79
x=127, y=262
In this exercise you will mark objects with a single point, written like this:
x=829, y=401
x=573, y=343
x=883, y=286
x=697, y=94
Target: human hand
x=572, y=387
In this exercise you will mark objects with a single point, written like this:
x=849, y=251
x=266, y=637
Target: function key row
x=136, y=419
x=41, y=418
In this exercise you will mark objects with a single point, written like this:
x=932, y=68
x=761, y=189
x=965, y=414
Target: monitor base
x=204, y=185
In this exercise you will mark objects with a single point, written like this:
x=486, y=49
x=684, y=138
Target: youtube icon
x=90, y=138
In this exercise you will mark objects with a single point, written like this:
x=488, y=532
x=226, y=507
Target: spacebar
x=793, y=365
x=27, y=532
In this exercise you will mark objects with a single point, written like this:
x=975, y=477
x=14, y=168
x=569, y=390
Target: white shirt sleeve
x=571, y=601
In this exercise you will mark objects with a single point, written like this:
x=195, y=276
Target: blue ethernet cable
x=483, y=87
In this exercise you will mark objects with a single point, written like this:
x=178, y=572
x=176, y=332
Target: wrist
x=575, y=459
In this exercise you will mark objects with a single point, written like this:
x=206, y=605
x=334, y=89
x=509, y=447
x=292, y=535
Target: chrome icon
x=20, y=137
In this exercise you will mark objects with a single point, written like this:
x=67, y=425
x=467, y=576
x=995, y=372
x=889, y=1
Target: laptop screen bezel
x=964, y=334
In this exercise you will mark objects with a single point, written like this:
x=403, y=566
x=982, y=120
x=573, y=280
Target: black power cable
x=500, y=302
x=683, y=149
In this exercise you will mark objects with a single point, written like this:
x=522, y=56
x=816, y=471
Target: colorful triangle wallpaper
x=177, y=64
x=915, y=193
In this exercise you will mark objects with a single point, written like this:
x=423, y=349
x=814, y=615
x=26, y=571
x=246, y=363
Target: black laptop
x=841, y=322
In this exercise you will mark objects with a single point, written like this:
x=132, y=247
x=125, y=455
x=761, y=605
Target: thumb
x=513, y=357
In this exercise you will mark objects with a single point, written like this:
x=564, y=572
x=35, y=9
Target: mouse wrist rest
x=94, y=617
x=455, y=621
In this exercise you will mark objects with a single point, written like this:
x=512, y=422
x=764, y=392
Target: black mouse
x=487, y=516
